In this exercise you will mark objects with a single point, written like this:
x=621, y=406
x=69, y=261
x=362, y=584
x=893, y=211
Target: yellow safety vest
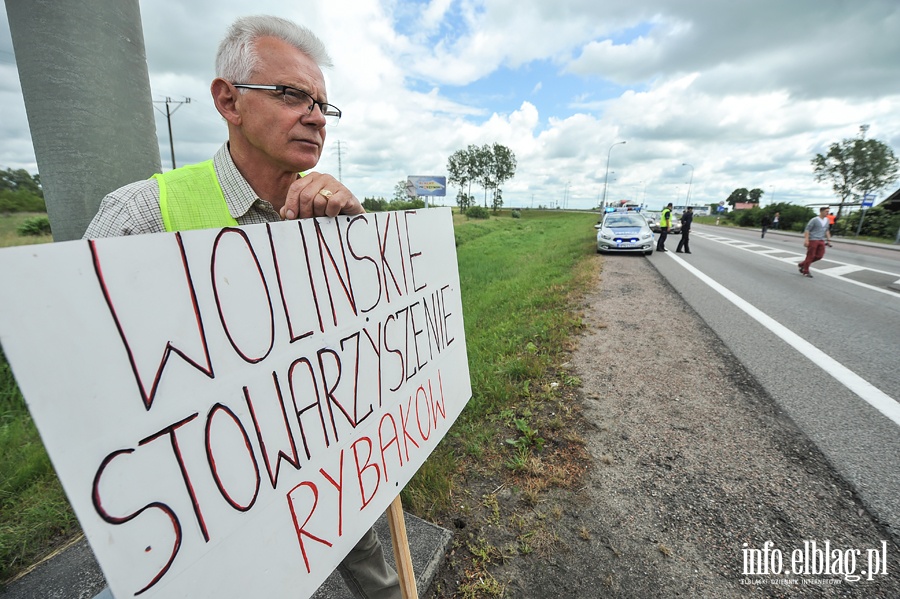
x=191, y=197
x=665, y=218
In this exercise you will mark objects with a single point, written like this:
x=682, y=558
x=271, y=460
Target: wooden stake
x=401, y=550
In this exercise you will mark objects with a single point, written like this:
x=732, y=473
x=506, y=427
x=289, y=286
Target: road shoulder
x=689, y=463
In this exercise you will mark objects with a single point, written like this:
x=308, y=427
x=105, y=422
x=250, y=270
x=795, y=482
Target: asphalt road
x=819, y=346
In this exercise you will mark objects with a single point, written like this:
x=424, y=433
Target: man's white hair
x=237, y=58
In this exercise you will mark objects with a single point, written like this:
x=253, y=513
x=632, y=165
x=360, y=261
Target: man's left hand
x=319, y=194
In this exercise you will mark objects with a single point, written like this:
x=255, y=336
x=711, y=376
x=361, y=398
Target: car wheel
x=648, y=252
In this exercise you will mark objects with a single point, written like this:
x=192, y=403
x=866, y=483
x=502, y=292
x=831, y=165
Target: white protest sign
x=229, y=411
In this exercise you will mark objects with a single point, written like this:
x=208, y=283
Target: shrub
x=21, y=201
x=747, y=218
x=36, y=226
x=516, y=214
x=792, y=217
x=877, y=222
x=375, y=204
x=477, y=212
x=411, y=204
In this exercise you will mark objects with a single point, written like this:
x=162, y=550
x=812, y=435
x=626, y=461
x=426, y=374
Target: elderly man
x=270, y=90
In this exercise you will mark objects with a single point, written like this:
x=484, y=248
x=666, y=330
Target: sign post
x=867, y=202
x=230, y=410
x=400, y=543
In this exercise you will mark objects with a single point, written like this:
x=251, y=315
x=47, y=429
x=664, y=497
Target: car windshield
x=624, y=220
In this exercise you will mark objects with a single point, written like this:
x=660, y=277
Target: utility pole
x=339, y=161
x=691, y=182
x=100, y=133
x=169, y=114
x=606, y=178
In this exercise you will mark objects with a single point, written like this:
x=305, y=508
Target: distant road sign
x=426, y=186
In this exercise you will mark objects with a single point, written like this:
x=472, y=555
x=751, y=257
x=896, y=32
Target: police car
x=624, y=232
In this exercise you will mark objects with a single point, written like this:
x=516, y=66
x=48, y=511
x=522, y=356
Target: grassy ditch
x=35, y=516
x=34, y=513
x=518, y=276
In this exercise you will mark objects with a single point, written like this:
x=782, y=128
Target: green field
x=518, y=276
x=9, y=223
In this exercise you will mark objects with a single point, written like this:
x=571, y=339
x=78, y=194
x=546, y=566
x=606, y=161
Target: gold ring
x=324, y=192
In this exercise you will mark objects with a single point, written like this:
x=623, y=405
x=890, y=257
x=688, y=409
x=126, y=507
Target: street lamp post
x=688, y=200
x=606, y=178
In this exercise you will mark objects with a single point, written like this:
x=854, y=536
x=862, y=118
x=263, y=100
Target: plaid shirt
x=134, y=208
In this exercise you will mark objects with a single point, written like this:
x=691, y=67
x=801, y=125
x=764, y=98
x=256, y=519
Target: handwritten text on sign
x=230, y=410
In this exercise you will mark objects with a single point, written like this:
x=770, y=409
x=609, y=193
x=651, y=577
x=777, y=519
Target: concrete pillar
x=87, y=95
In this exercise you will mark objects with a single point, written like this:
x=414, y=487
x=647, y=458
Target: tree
x=738, y=195
x=856, y=167
x=464, y=201
x=483, y=158
x=458, y=175
x=489, y=165
x=497, y=203
x=755, y=195
x=464, y=168
x=400, y=194
x=21, y=192
x=503, y=168
x=21, y=180
x=375, y=204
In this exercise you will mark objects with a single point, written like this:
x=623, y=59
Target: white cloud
x=745, y=92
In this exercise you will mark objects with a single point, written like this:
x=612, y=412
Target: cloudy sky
x=745, y=92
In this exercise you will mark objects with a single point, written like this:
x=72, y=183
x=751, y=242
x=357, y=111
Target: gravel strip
x=692, y=463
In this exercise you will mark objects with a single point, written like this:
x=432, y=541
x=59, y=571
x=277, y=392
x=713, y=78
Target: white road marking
x=846, y=269
x=852, y=381
x=834, y=272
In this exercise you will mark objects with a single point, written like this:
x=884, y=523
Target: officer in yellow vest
x=665, y=221
x=270, y=90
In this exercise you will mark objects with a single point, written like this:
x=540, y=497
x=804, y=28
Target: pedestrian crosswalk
x=878, y=280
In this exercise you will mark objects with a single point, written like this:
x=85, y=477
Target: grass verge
x=9, y=225
x=518, y=277
x=35, y=516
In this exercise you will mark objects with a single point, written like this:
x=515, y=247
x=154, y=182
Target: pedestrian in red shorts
x=815, y=237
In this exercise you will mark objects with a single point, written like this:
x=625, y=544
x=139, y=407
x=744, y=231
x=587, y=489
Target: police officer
x=665, y=221
x=686, y=219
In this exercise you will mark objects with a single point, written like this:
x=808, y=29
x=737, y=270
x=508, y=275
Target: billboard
x=417, y=186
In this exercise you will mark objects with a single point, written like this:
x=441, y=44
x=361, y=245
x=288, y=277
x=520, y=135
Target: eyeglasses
x=299, y=101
